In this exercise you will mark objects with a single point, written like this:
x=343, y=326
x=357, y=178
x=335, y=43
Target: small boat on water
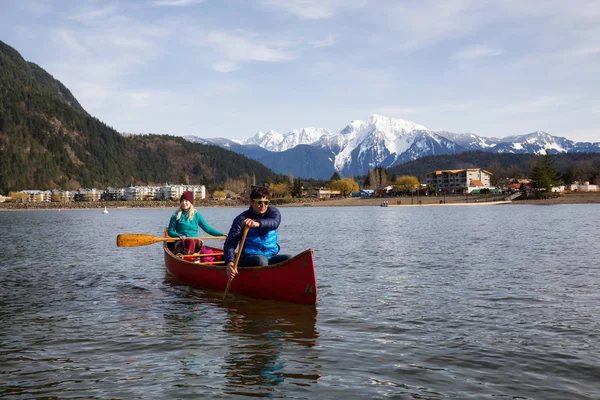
x=105, y=210
x=292, y=281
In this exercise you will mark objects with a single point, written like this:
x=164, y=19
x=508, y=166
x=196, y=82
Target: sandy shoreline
x=571, y=198
x=403, y=201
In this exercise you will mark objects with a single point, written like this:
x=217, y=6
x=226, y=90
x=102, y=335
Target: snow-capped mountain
x=275, y=141
x=470, y=141
x=534, y=143
x=380, y=141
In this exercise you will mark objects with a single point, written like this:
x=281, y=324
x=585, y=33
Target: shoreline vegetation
x=568, y=198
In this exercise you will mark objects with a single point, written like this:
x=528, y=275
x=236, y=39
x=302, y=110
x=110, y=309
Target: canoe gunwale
x=222, y=267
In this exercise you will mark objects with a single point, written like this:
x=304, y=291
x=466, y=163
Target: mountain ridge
x=387, y=142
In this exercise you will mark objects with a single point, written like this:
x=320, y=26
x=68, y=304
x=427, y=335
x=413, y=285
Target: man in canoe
x=261, y=247
x=184, y=224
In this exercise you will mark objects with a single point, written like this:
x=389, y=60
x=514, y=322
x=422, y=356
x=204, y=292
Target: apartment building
x=459, y=180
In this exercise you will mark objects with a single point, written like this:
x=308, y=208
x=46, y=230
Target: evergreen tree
x=297, y=188
x=544, y=174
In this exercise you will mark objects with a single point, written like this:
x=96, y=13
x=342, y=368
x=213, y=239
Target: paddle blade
x=137, y=239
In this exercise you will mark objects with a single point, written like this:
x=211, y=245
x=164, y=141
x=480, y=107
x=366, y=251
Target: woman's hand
x=182, y=237
x=231, y=272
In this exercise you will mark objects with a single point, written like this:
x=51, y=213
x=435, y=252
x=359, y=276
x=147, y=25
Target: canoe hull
x=292, y=281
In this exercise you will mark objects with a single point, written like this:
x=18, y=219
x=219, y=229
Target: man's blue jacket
x=259, y=241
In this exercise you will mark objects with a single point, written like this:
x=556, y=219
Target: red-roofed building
x=459, y=180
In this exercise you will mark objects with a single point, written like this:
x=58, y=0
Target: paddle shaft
x=140, y=239
x=237, y=259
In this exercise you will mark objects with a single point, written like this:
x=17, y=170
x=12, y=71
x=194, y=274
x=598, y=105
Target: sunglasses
x=262, y=202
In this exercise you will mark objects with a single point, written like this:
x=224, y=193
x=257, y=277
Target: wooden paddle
x=140, y=239
x=237, y=259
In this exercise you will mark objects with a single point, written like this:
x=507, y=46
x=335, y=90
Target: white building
x=38, y=195
x=326, y=193
x=113, y=194
x=582, y=187
x=87, y=195
x=174, y=192
x=459, y=180
x=133, y=193
x=63, y=195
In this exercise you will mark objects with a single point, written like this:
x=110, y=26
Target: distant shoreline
x=570, y=198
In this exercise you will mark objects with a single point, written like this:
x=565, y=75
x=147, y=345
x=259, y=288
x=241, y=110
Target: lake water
x=479, y=302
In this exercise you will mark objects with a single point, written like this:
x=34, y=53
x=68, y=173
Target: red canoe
x=292, y=281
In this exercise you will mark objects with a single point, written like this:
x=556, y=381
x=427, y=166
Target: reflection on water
x=258, y=332
x=263, y=327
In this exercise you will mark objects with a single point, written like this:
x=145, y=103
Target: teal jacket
x=189, y=228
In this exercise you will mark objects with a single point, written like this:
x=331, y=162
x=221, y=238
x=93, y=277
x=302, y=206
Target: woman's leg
x=187, y=246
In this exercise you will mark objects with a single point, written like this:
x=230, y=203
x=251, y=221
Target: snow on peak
x=302, y=136
x=265, y=140
x=379, y=137
x=395, y=124
x=275, y=141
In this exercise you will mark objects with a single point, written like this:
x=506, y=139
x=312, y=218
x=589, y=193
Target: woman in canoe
x=184, y=224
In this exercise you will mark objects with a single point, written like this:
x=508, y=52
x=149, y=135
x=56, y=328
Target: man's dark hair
x=258, y=192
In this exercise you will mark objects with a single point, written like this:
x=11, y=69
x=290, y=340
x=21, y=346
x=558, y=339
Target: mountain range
x=379, y=142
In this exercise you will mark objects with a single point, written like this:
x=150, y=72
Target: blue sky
x=228, y=68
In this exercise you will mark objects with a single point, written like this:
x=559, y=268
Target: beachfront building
x=326, y=193
x=62, y=195
x=87, y=195
x=582, y=187
x=131, y=193
x=174, y=192
x=37, y=195
x=135, y=193
x=113, y=194
x=459, y=180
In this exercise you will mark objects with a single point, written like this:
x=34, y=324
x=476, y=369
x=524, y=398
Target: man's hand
x=250, y=223
x=231, y=272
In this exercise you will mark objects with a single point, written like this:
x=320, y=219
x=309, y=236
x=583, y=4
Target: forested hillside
x=47, y=140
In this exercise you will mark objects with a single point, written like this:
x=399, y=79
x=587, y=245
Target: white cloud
x=534, y=106
x=234, y=49
x=582, y=135
x=398, y=112
x=177, y=3
x=329, y=41
x=93, y=15
x=475, y=52
x=314, y=9
x=69, y=41
x=423, y=23
x=585, y=51
x=459, y=106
